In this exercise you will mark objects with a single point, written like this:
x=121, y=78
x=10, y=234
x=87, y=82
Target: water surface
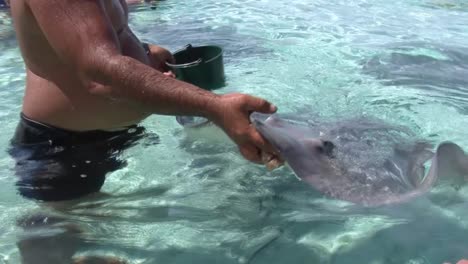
x=192, y=198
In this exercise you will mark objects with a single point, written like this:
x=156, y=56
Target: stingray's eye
x=319, y=146
x=328, y=147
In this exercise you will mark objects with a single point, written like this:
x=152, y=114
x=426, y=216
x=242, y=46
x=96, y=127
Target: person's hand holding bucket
x=159, y=57
x=201, y=66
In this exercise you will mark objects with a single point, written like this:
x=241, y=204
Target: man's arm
x=82, y=36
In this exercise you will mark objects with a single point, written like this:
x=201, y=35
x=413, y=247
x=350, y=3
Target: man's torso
x=54, y=95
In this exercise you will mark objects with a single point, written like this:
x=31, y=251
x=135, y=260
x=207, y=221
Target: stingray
x=362, y=160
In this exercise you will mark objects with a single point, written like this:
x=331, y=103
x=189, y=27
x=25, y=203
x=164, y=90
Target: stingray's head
x=308, y=155
x=313, y=157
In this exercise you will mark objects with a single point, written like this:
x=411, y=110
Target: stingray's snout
x=260, y=126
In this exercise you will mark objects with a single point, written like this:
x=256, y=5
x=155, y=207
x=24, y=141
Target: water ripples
x=193, y=198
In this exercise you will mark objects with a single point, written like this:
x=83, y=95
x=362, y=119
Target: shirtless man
x=89, y=82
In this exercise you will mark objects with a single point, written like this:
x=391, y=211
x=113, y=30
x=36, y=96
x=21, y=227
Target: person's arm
x=82, y=36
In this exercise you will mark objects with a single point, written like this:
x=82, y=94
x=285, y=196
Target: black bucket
x=201, y=66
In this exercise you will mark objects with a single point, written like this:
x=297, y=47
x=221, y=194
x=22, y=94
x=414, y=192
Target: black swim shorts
x=53, y=164
x=3, y=4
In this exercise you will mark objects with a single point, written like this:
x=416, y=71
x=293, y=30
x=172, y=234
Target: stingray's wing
x=407, y=165
x=449, y=162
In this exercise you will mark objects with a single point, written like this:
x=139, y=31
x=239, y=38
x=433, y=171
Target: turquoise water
x=193, y=199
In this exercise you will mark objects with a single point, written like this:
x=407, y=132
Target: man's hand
x=232, y=115
x=271, y=160
x=158, y=57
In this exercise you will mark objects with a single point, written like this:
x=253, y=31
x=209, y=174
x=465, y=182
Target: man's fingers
x=260, y=105
x=271, y=161
x=164, y=67
x=260, y=142
x=169, y=74
x=171, y=59
x=266, y=157
x=251, y=154
x=274, y=164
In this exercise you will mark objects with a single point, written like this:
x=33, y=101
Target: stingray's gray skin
x=363, y=161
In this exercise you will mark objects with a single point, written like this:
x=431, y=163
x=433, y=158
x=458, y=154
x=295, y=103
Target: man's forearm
x=129, y=79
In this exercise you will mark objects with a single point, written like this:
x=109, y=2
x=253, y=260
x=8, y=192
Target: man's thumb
x=261, y=105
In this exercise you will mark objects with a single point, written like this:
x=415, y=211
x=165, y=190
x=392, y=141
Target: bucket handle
x=189, y=64
x=185, y=65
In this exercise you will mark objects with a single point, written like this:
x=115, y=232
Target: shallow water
x=192, y=198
